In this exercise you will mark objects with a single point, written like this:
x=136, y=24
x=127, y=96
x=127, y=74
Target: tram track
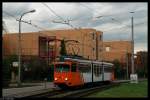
x=84, y=92
x=73, y=93
x=76, y=93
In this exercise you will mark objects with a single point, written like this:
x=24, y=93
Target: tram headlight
x=55, y=78
x=66, y=79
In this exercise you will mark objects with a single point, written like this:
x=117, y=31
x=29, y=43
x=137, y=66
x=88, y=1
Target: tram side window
x=108, y=69
x=95, y=70
x=84, y=68
x=99, y=70
x=74, y=66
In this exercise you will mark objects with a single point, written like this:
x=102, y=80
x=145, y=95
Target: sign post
x=133, y=78
x=15, y=64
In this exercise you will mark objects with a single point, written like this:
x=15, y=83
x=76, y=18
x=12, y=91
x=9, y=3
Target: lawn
x=124, y=90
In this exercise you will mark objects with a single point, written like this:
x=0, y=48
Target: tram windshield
x=62, y=68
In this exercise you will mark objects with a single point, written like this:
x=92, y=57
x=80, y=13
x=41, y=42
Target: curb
x=26, y=94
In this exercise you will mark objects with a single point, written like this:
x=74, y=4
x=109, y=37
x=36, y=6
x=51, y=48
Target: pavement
x=27, y=91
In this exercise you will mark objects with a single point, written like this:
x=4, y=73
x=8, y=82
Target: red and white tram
x=77, y=72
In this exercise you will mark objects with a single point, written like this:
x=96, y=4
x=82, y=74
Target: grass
x=124, y=90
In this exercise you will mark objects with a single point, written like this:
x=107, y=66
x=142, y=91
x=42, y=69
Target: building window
x=93, y=49
x=100, y=49
x=93, y=35
x=107, y=49
x=100, y=37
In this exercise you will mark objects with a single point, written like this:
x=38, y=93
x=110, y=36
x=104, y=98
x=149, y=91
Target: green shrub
x=7, y=68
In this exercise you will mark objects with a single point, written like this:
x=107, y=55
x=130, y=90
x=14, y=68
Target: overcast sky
x=114, y=20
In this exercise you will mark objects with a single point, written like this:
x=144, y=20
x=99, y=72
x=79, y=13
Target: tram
x=77, y=72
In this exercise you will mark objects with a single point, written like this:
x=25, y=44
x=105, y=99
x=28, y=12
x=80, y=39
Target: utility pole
x=82, y=44
x=96, y=46
x=102, y=59
x=127, y=63
x=19, y=47
x=132, y=42
x=133, y=76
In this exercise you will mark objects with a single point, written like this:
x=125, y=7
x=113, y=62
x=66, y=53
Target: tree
x=63, y=48
x=34, y=69
x=51, y=72
x=140, y=72
x=7, y=68
x=38, y=69
x=141, y=63
x=118, y=70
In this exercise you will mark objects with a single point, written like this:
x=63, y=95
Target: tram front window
x=62, y=68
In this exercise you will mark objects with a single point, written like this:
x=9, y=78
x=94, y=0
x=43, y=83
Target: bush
x=37, y=69
x=140, y=72
x=50, y=76
x=5, y=73
x=119, y=71
x=7, y=68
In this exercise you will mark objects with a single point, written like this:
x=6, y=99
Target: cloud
x=140, y=47
x=83, y=15
x=15, y=9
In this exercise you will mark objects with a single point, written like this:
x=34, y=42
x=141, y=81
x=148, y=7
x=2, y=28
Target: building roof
x=113, y=41
x=55, y=30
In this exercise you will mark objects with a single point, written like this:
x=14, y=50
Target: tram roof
x=89, y=61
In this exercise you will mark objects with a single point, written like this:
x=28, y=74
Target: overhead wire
x=67, y=23
x=112, y=18
x=53, y=11
x=59, y=17
x=129, y=26
x=95, y=11
x=10, y=15
x=29, y=23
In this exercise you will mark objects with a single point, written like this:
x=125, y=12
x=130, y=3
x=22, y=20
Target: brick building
x=83, y=42
x=47, y=43
x=141, y=60
x=116, y=50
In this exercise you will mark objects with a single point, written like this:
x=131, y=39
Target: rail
x=78, y=93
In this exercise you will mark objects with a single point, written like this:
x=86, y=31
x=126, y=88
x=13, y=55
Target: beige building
x=88, y=45
x=83, y=42
x=116, y=50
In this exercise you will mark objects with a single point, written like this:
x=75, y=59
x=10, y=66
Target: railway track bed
x=74, y=93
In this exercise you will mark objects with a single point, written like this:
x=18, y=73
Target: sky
x=113, y=19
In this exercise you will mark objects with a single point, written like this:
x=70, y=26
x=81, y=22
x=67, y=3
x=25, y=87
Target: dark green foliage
x=51, y=73
x=140, y=72
x=119, y=71
x=37, y=69
x=142, y=68
x=7, y=68
x=63, y=48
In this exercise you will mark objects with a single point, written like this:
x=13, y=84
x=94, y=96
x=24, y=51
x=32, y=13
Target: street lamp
x=19, y=46
x=133, y=76
x=132, y=43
